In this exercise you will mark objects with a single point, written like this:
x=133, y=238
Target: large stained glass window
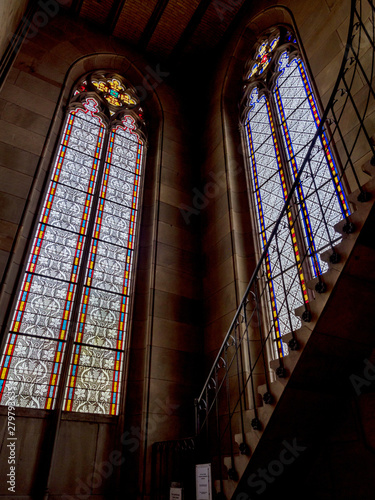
x=67, y=332
x=280, y=120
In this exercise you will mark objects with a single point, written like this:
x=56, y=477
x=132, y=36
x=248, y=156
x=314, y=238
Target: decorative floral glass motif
x=263, y=56
x=112, y=88
x=73, y=304
x=113, y=92
x=281, y=97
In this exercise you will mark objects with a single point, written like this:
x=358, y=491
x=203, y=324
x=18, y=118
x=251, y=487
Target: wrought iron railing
x=243, y=361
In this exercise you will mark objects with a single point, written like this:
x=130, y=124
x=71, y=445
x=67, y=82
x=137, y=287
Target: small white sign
x=203, y=481
x=175, y=494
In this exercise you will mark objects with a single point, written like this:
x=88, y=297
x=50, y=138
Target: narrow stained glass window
x=270, y=192
x=97, y=357
x=280, y=122
x=73, y=304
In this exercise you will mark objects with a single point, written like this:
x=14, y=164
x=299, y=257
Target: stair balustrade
x=255, y=362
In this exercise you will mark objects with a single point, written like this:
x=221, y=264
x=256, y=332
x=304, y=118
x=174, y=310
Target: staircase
x=308, y=397
x=257, y=420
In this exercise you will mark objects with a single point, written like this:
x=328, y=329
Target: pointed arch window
x=67, y=333
x=280, y=119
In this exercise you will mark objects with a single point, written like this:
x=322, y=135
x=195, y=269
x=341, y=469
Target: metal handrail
x=232, y=351
x=317, y=136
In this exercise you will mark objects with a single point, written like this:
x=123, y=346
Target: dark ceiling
x=168, y=29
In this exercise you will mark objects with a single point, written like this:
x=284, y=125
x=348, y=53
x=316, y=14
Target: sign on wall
x=175, y=494
x=203, y=481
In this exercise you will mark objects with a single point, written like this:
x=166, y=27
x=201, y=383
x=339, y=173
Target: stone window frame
x=120, y=65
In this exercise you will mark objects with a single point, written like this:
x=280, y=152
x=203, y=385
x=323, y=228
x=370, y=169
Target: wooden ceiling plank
x=152, y=23
x=114, y=15
x=76, y=6
x=189, y=30
x=240, y=14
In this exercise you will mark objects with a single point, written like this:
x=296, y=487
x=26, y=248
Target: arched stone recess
x=229, y=250
x=163, y=336
x=232, y=93
x=95, y=436
x=228, y=243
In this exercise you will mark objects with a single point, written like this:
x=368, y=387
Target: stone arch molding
x=146, y=83
x=232, y=82
x=246, y=41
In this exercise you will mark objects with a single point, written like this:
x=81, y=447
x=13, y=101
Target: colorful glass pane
x=81, y=88
x=299, y=119
x=308, y=225
x=287, y=291
x=94, y=383
x=114, y=92
x=35, y=348
x=263, y=56
x=77, y=279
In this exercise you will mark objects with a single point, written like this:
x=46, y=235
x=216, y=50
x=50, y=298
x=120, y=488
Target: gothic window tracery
x=280, y=119
x=68, y=329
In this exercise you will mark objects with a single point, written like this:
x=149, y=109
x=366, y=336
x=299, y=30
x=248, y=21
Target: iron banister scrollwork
x=217, y=415
x=329, y=118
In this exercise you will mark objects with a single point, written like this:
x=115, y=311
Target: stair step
x=275, y=388
x=240, y=464
x=368, y=168
x=228, y=489
x=289, y=362
x=324, y=349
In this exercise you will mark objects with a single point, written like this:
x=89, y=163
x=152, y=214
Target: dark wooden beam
x=152, y=23
x=240, y=15
x=114, y=15
x=189, y=30
x=76, y=6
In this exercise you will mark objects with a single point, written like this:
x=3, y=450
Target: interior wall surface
x=230, y=250
x=11, y=13
x=164, y=337
x=164, y=350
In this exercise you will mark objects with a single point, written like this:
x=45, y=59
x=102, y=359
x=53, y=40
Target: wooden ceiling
x=167, y=29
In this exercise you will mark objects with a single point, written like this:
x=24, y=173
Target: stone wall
x=229, y=253
x=11, y=13
x=165, y=335
x=196, y=251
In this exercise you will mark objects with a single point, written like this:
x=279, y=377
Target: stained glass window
x=73, y=303
x=280, y=121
